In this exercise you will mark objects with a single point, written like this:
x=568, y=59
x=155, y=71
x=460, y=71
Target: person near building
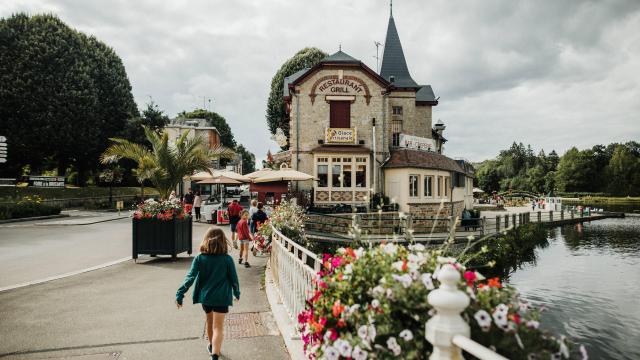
x=172, y=196
x=252, y=210
x=234, y=217
x=216, y=284
x=188, y=201
x=197, y=203
x=259, y=218
x=244, y=234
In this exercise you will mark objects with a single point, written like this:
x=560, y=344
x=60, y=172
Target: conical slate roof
x=393, y=62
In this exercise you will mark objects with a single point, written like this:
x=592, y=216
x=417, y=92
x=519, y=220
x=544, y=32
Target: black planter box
x=157, y=237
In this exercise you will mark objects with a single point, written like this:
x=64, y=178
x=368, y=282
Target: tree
x=305, y=58
x=623, y=171
x=575, y=171
x=248, y=159
x=488, y=177
x=214, y=119
x=166, y=164
x=63, y=94
x=152, y=118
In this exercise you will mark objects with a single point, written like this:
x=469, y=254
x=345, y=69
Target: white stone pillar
x=449, y=302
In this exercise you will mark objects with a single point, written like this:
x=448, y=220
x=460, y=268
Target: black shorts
x=233, y=221
x=218, y=309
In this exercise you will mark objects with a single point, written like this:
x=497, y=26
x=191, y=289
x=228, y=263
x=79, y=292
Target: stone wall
x=424, y=216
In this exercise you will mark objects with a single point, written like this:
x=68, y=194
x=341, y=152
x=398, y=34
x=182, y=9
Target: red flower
x=404, y=265
x=337, y=308
x=341, y=323
x=494, y=282
x=316, y=296
x=470, y=276
x=516, y=318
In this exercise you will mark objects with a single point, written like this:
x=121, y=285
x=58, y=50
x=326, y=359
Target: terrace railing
x=293, y=268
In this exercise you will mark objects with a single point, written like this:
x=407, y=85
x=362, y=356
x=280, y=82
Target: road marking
x=65, y=275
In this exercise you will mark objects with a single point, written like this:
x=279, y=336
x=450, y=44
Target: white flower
x=406, y=335
x=479, y=277
x=446, y=260
x=564, y=349
x=417, y=247
x=583, y=352
x=327, y=336
x=331, y=353
x=375, y=303
x=341, y=250
x=405, y=279
x=502, y=308
x=427, y=281
x=392, y=344
x=484, y=319
x=371, y=332
x=532, y=324
x=397, y=265
x=348, y=269
x=353, y=308
x=377, y=291
x=389, y=294
x=418, y=259
x=363, y=333
x=500, y=318
x=344, y=347
x=390, y=248
x=359, y=354
x=359, y=252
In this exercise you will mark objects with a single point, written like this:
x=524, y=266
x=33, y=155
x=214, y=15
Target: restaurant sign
x=340, y=136
x=46, y=181
x=417, y=143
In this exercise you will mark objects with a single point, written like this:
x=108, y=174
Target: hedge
x=24, y=210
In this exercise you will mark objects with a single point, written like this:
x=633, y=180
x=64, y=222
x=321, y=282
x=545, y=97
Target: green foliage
x=166, y=164
x=7, y=193
x=248, y=159
x=29, y=206
x=63, y=94
x=220, y=123
x=612, y=169
x=276, y=116
x=152, y=117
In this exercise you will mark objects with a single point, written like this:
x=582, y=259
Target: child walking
x=245, y=237
x=216, y=281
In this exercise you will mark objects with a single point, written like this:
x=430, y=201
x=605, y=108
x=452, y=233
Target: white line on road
x=57, y=277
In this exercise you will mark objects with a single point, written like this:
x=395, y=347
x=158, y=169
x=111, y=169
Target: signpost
x=119, y=206
x=3, y=149
x=46, y=181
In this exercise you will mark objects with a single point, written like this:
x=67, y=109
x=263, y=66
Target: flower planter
x=161, y=237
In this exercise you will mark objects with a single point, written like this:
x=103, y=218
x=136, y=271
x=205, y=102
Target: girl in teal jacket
x=214, y=273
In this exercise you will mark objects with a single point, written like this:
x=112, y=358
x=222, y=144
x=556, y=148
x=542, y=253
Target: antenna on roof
x=340, y=47
x=378, y=44
x=390, y=8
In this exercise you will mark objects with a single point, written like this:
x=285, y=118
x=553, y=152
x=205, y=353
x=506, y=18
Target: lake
x=588, y=278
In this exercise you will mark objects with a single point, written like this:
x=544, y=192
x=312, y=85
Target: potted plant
x=161, y=228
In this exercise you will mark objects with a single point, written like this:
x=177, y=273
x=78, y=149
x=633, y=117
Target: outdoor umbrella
x=201, y=176
x=258, y=173
x=232, y=175
x=283, y=175
x=220, y=180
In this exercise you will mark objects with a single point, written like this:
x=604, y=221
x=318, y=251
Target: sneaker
x=246, y=264
x=215, y=357
x=210, y=349
x=240, y=261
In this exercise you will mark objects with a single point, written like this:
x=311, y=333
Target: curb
x=34, y=218
x=86, y=223
x=292, y=341
x=62, y=276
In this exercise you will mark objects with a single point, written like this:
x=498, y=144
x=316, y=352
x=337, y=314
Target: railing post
x=571, y=212
x=484, y=225
x=539, y=216
x=513, y=217
x=506, y=221
x=520, y=220
x=448, y=302
x=561, y=214
x=497, y=223
x=550, y=215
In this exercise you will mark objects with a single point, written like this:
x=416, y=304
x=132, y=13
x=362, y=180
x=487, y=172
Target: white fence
x=293, y=267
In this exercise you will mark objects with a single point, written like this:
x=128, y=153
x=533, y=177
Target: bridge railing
x=293, y=268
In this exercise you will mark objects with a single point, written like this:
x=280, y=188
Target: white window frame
x=417, y=183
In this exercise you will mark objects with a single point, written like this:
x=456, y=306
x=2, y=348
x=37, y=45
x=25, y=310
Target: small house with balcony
x=360, y=132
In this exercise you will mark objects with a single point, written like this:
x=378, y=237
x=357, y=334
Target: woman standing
x=217, y=283
x=197, y=203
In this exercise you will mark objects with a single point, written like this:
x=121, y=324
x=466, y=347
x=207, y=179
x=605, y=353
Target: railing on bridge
x=293, y=268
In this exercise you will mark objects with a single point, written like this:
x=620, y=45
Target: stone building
x=360, y=133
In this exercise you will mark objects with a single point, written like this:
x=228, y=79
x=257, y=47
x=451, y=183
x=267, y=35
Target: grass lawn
x=605, y=200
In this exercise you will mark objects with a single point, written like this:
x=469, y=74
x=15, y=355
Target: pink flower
x=470, y=276
x=336, y=261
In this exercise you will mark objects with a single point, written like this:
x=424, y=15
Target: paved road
x=34, y=250
x=126, y=311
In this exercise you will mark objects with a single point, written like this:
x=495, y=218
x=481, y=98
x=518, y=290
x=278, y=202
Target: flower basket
x=161, y=228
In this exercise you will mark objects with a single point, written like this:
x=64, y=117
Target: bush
x=27, y=207
x=371, y=304
x=288, y=218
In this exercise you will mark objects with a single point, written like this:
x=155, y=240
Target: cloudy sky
x=551, y=73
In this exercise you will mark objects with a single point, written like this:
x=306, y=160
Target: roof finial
x=340, y=47
x=390, y=8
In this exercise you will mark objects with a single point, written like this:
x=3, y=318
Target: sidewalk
x=127, y=311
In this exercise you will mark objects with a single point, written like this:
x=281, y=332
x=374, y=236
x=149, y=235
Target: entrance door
x=340, y=114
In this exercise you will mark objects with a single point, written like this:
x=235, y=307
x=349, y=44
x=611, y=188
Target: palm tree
x=165, y=164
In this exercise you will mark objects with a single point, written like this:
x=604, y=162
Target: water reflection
x=588, y=278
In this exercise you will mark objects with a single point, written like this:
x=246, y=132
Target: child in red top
x=245, y=237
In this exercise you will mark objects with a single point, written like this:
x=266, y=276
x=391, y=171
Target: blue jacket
x=216, y=281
